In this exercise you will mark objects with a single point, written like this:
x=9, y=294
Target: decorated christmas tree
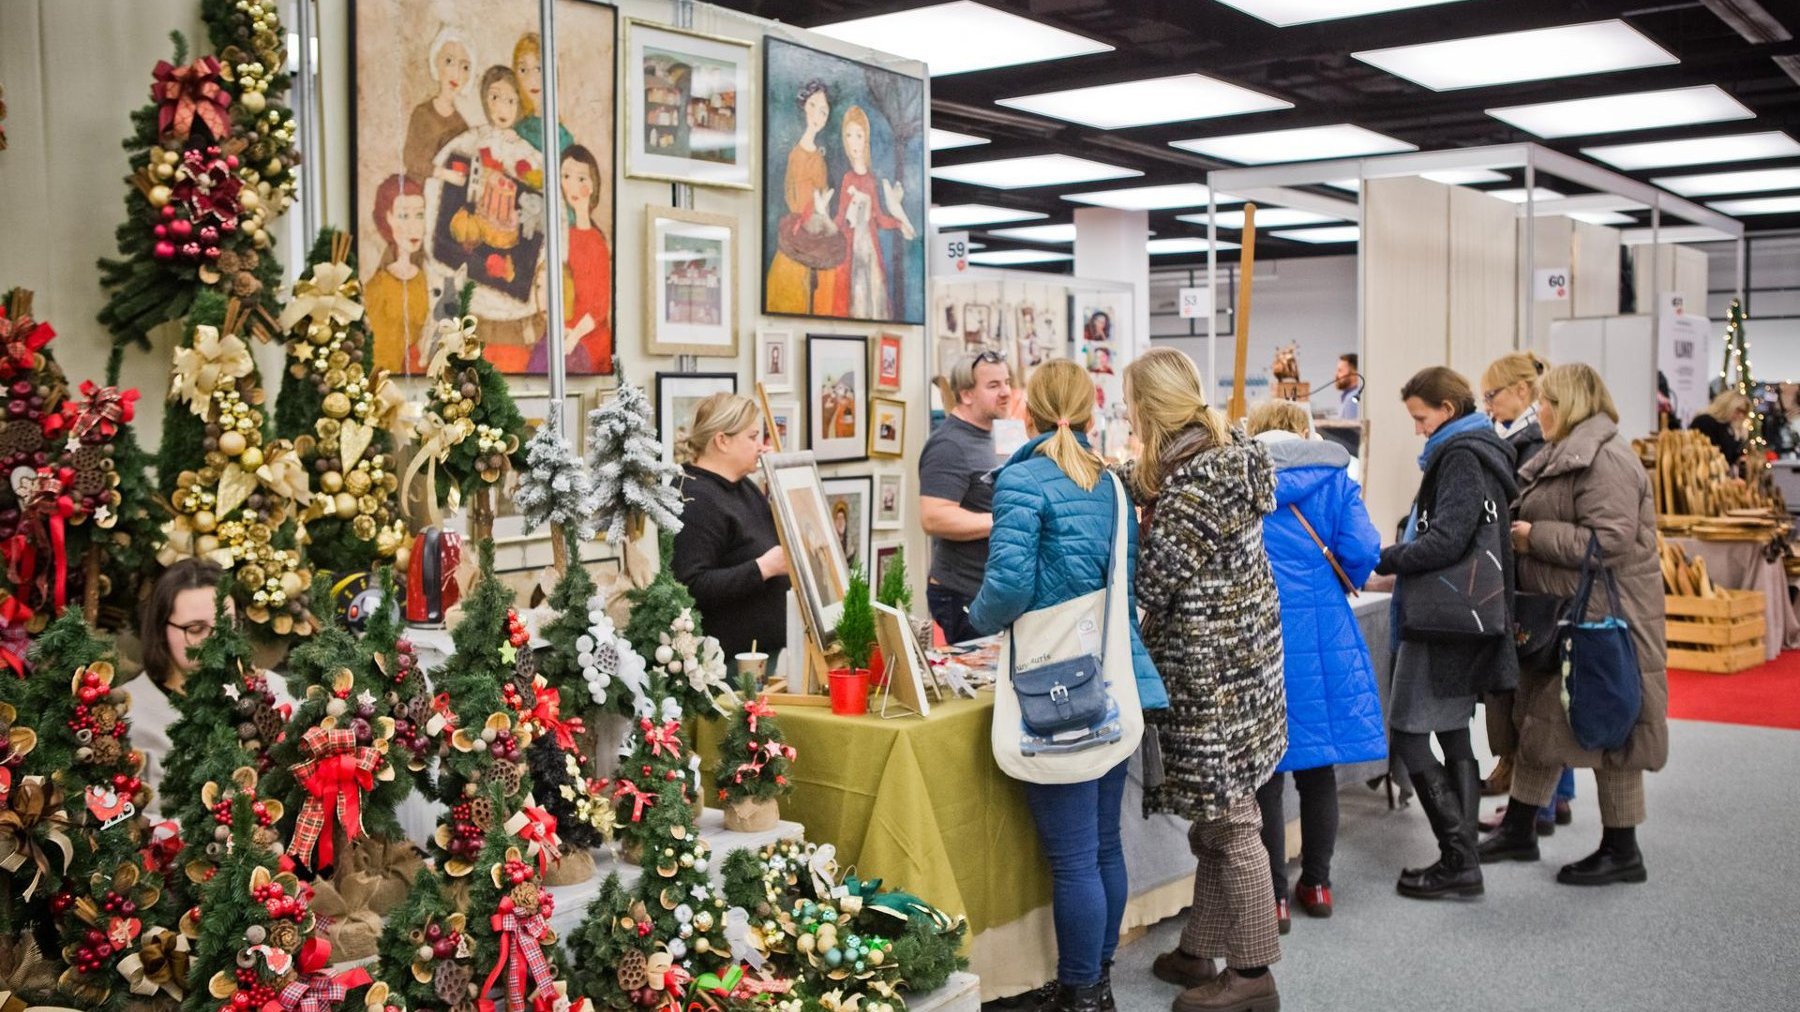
x=655, y=787
x=555, y=489
x=593, y=666
x=471, y=426
x=685, y=664
x=425, y=950
x=212, y=164
x=569, y=603
x=1737, y=376
x=754, y=760
x=632, y=484
x=509, y=925
x=340, y=413
x=395, y=661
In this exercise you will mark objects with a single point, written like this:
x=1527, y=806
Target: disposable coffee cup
x=754, y=663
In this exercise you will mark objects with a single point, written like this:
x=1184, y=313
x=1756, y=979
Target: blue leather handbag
x=1603, y=689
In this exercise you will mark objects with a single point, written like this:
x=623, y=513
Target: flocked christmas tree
x=425, y=953
x=554, y=489
x=632, y=484
x=339, y=412
x=685, y=664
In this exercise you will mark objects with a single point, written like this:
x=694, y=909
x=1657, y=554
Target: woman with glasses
x=175, y=621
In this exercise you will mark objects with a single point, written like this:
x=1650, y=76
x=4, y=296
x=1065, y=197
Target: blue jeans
x=951, y=611
x=1078, y=829
x=1565, y=791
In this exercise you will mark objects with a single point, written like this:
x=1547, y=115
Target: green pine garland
x=425, y=924
x=570, y=599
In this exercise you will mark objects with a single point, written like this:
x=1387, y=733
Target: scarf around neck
x=1467, y=423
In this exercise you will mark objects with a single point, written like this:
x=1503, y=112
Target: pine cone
x=285, y=935
x=106, y=717
x=107, y=751
x=634, y=971
x=525, y=898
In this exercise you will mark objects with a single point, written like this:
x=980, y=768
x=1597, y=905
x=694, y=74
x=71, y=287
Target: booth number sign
x=1552, y=284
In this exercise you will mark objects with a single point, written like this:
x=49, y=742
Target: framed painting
x=885, y=554
x=815, y=556
x=534, y=406
x=687, y=102
x=775, y=360
x=887, y=361
x=848, y=501
x=677, y=395
x=449, y=181
x=784, y=423
x=887, y=427
x=837, y=393
x=890, y=501
x=843, y=188
x=690, y=283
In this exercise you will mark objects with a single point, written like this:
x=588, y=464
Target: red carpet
x=1764, y=696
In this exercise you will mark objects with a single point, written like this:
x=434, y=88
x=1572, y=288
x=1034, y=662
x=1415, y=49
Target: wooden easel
x=817, y=662
x=1237, y=410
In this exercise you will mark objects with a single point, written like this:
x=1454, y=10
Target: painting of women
x=587, y=273
x=862, y=286
x=436, y=120
x=396, y=294
x=803, y=277
x=528, y=69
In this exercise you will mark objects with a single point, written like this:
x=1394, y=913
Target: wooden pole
x=1241, y=325
x=773, y=434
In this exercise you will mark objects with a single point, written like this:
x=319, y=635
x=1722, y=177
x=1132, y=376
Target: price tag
x=1193, y=303
x=953, y=252
x=1552, y=284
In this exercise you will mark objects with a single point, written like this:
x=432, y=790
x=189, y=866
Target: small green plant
x=856, y=626
x=895, y=590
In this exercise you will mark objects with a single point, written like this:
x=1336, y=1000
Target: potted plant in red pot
x=856, y=637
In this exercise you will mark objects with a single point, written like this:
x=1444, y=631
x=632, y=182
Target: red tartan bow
x=335, y=776
x=521, y=954
x=759, y=708
x=23, y=337
x=15, y=639
x=667, y=736
x=47, y=502
x=548, y=715
x=106, y=408
x=640, y=800
x=183, y=93
x=317, y=990
x=537, y=827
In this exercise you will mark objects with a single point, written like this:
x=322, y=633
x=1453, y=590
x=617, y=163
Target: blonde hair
x=1514, y=367
x=1166, y=395
x=1728, y=403
x=1288, y=416
x=1060, y=400
x=1577, y=393
x=720, y=414
x=528, y=43
x=854, y=116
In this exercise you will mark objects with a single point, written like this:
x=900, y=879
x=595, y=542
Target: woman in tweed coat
x=1212, y=623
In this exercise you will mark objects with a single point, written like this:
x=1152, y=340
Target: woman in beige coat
x=1586, y=483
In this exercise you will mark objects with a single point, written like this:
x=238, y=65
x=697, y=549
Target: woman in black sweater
x=727, y=552
x=1723, y=423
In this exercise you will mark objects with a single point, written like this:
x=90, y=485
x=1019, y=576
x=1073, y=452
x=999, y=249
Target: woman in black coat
x=1723, y=422
x=1468, y=482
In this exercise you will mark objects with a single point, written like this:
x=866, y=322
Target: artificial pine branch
x=631, y=481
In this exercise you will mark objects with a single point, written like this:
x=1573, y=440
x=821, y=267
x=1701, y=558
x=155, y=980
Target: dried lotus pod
x=633, y=971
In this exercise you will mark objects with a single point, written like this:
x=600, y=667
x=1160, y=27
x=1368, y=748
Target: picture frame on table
x=890, y=501
x=775, y=360
x=887, y=361
x=815, y=555
x=534, y=407
x=689, y=103
x=849, y=502
x=837, y=396
x=887, y=427
x=677, y=394
x=690, y=295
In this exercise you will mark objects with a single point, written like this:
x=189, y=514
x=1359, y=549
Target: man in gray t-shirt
x=956, y=489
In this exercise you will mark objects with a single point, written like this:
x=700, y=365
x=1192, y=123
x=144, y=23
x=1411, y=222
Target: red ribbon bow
x=106, y=408
x=47, y=502
x=15, y=639
x=640, y=800
x=23, y=337
x=335, y=775
x=667, y=736
x=548, y=715
x=521, y=955
x=539, y=831
x=182, y=93
x=316, y=990
x=759, y=708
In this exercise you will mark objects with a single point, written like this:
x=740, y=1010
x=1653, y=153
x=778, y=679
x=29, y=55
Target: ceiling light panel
x=1709, y=183
x=1032, y=170
x=964, y=215
x=944, y=140
x=1282, y=13
x=1465, y=177
x=1678, y=233
x=1266, y=217
x=1603, y=217
x=1644, y=110
x=956, y=38
x=1597, y=48
x=1148, y=198
x=1140, y=103
x=1013, y=257
x=1182, y=244
x=1516, y=195
x=1339, y=233
x=1758, y=205
x=1696, y=151
x=1303, y=144
x=1038, y=233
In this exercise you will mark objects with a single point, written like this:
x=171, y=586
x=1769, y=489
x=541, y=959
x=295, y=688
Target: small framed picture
x=688, y=106
x=847, y=505
x=690, y=303
x=887, y=361
x=784, y=423
x=837, y=396
x=890, y=501
x=887, y=427
x=885, y=554
x=677, y=395
x=775, y=360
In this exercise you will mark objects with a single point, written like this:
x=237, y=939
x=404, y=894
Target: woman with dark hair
x=587, y=301
x=176, y=619
x=794, y=287
x=1468, y=481
x=397, y=294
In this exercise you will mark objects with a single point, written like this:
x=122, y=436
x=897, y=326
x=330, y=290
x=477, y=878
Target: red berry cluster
x=443, y=941
x=505, y=747
x=517, y=872
x=61, y=901
x=516, y=633
x=277, y=903
x=117, y=905
x=406, y=658
x=253, y=995
x=645, y=997
x=202, y=210
x=465, y=836
x=92, y=953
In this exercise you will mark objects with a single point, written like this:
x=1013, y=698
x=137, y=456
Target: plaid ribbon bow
x=22, y=337
x=317, y=990
x=106, y=408
x=537, y=827
x=521, y=956
x=335, y=774
x=184, y=93
x=48, y=507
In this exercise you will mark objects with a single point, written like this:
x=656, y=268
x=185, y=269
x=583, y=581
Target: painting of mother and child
x=452, y=188
x=843, y=188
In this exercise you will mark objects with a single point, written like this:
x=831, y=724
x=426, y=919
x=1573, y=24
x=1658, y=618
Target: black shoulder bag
x=1466, y=601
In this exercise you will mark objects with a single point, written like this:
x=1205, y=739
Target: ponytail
x=1060, y=401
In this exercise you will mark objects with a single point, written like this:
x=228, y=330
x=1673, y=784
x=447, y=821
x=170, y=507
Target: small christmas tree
x=425, y=950
x=655, y=785
x=613, y=958
x=569, y=602
x=856, y=623
x=472, y=426
x=895, y=590
x=1737, y=376
x=754, y=760
x=555, y=489
x=631, y=482
x=685, y=664
x=509, y=924
x=395, y=664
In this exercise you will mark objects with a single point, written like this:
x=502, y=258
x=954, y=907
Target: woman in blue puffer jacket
x=1334, y=711
x=1054, y=523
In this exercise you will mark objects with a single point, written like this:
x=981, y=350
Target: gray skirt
x=1414, y=705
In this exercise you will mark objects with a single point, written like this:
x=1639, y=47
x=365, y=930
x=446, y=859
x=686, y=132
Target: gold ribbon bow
x=283, y=474
x=455, y=337
x=209, y=364
x=436, y=439
x=390, y=404
x=36, y=804
x=160, y=964
x=329, y=296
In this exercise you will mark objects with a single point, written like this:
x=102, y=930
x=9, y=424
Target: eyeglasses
x=1487, y=396
x=196, y=632
x=991, y=358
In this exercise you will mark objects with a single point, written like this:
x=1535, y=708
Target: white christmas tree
x=555, y=489
x=631, y=481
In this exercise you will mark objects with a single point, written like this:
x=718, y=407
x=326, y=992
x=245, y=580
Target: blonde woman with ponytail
x=1212, y=622
x=1054, y=525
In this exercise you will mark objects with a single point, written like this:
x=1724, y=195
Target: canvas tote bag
x=1063, y=632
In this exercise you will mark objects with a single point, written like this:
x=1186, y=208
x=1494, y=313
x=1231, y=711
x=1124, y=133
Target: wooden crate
x=1721, y=635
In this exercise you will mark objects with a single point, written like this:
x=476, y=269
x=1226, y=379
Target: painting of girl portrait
x=451, y=185
x=844, y=188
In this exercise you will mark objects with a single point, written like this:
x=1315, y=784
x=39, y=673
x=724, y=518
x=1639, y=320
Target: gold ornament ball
x=252, y=458
x=206, y=544
x=346, y=505
x=253, y=101
x=332, y=481
x=232, y=443
x=291, y=583
x=337, y=405
x=159, y=195
x=357, y=482
x=403, y=557
x=205, y=522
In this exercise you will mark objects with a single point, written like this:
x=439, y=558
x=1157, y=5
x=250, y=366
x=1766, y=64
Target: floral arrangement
x=610, y=668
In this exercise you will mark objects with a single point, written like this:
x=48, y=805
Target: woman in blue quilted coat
x=1055, y=518
x=1333, y=708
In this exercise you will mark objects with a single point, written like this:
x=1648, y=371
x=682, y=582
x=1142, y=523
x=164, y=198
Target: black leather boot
x=1517, y=837
x=1458, y=870
x=1091, y=998
x=1465, y=777
x=1106, y=996
x=1617, y=860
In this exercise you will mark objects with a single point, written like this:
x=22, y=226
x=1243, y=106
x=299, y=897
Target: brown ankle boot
x=1500, y=781
x=1231, y=993
x=1178, y=967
